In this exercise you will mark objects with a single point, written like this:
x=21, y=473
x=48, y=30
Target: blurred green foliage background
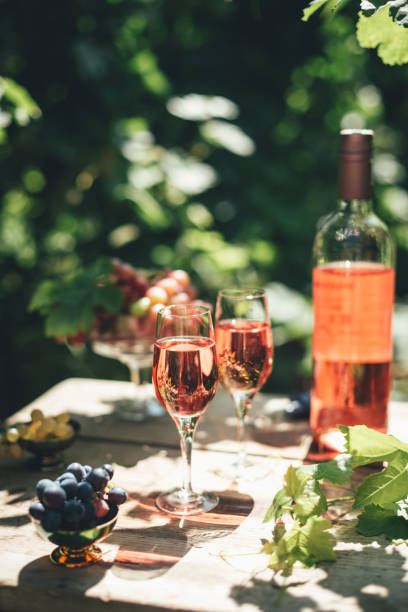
x=190, y=134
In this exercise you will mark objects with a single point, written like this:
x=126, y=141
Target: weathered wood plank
x=155, y=562
x=146, y=545
x=92, y=402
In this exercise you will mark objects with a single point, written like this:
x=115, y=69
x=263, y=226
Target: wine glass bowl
x=131, y=343
x=185, y=377
x=245, y=353
x=77, y=548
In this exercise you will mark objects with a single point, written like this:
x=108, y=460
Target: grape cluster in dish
x=81, y=498
x=143, y=293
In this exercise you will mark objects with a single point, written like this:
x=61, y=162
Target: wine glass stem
x=187, y=427
x=135, y=376
x=242, y=404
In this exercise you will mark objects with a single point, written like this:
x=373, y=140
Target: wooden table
x=155, y=562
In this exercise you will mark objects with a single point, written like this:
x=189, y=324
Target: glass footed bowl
x=132, y=345
x=77, y=548
x=48, y=453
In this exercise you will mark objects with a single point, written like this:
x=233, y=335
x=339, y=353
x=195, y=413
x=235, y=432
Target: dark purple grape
x=85, y=491
x=51, y=520
x=117, y=496
x=77, y=470
x=41, y=484
x=70, y=487
x=98, y=478
x=37, y=510
x=66, y=475
x=89, y=519
x=109, y=468
x=53, y=496
x=87, y=469
x=73, y=511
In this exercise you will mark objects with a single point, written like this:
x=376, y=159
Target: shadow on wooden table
x=60, y=579
x=280, y=436
x=342, y=584
x=148, y=552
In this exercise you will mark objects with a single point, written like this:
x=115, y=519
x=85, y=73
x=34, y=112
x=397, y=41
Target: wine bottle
x=353, y=296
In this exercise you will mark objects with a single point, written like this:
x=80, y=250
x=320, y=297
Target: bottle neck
x=356, y=207
x=354, y=177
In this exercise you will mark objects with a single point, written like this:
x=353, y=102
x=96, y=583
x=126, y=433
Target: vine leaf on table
x=388, y=486
x=302, y=535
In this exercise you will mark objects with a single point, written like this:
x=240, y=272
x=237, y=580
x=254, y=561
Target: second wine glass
x=245, y=355
x=185, y=377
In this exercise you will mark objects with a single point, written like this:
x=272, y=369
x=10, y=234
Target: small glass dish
x=77, y=548
x=47, y=453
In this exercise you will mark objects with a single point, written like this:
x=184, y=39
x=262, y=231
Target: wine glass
x=245, y=355
x=132, y=345
x=185, y=377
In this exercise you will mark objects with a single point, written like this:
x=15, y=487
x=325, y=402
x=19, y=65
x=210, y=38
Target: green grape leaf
x=301, y=495
x=371, y=446
x=98, y=269
x=68, y=304
x=397, y=529
x=307, y=544
x=398, y=9
x=310, y=501
x=388, y=486
x=276, y=549
x=108, y=296
x=315, y=5
x=312, y=8
x=399, y=12
x=282, y=502
x=295, y=481
x=311, y=542
x=337, y=471
x=45, y=296
x=67, y=319
x=387, y=35
x=280, y=559
x=375, y=521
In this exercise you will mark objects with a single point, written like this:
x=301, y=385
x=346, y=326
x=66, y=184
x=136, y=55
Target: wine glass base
x=181, y=504
x=243, y=472
x=139, y=411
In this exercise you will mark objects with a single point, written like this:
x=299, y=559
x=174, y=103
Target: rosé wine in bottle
x=353, y=296
x=185, y=374
x=245, y=352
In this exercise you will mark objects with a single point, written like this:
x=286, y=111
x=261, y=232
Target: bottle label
x=353, y=305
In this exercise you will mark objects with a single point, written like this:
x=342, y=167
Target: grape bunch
x=9, y=446
x=144, y=293
x=40, y=428
x=81, y=498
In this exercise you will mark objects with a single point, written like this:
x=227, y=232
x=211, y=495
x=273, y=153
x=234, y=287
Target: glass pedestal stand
x=144, y=405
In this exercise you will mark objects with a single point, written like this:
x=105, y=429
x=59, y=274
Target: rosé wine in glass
x=185, y=377
x=245, y=354
x=185, y=374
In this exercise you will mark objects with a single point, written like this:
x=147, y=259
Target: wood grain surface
x=153, y=561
